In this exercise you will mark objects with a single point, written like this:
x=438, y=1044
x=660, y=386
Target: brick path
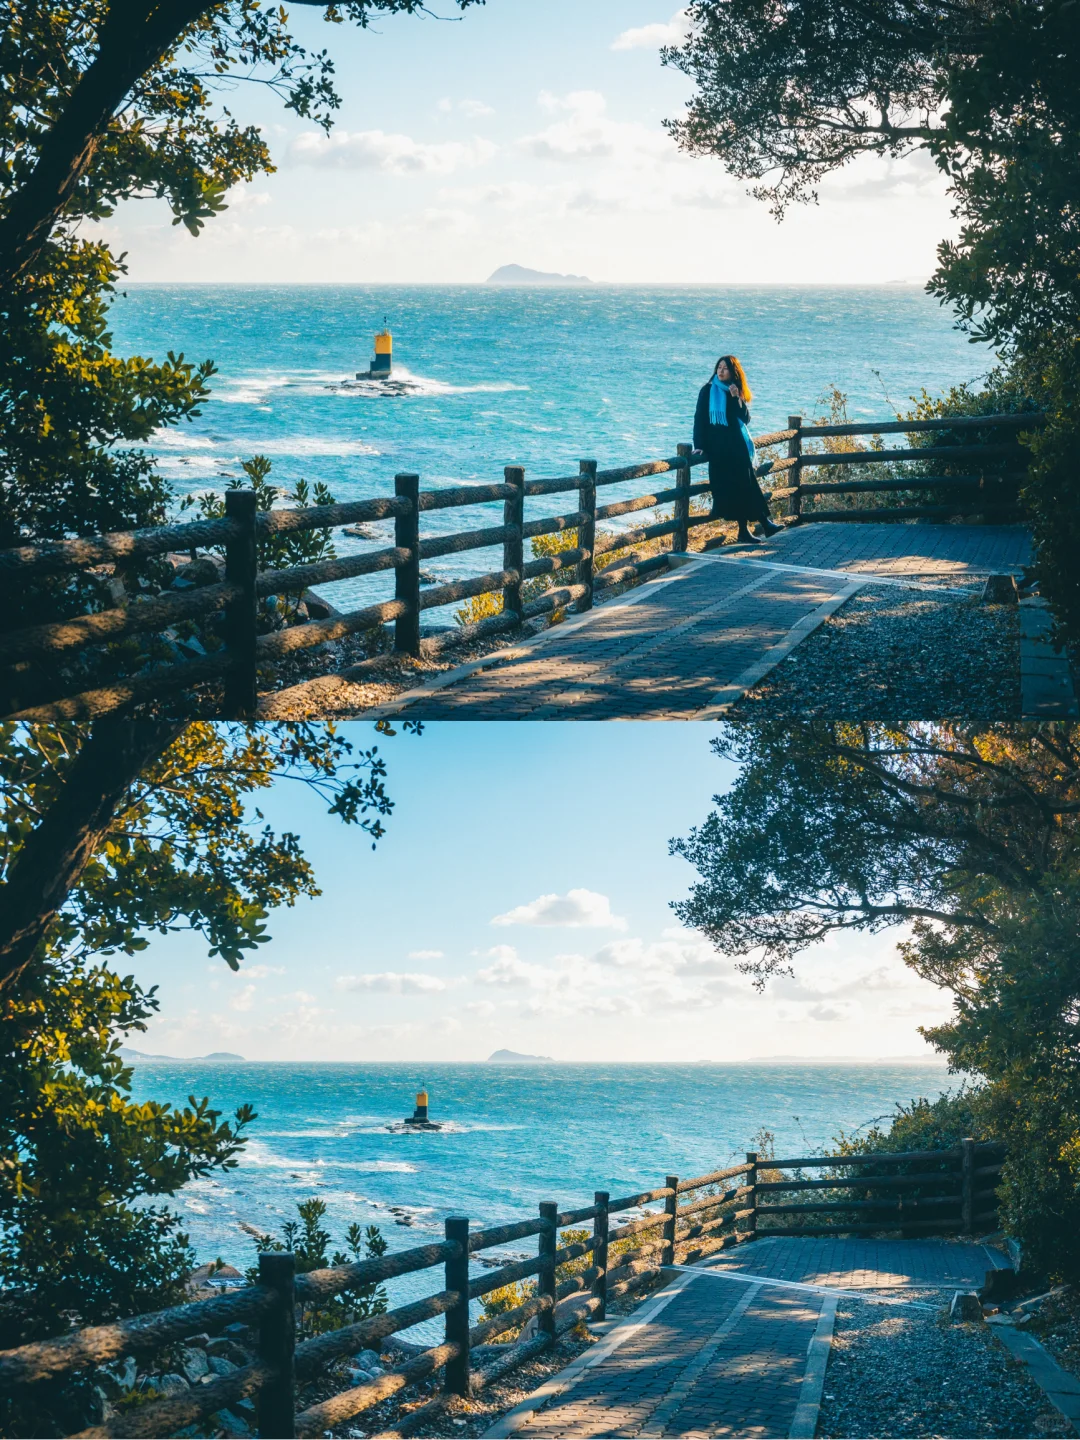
x=724, y=1357
x=676, y=646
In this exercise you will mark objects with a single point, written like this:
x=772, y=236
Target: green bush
x=310, y=1242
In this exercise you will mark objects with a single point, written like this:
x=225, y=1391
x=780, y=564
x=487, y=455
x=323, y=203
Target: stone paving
x=677, y=647
x=725, y=1357
x=939, y=553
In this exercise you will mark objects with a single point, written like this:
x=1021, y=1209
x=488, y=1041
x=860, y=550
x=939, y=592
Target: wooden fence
x=32, y=687
x=727, y=1210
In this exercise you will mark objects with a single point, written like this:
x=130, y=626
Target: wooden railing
x=689, y=1230
x=992, y=492
x=727, y=1210
x=31, y=688
x=955, y=1192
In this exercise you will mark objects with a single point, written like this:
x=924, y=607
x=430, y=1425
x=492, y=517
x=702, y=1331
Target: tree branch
x=57, y=851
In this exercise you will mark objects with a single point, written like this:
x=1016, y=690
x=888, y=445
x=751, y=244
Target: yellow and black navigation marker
x=382, y=362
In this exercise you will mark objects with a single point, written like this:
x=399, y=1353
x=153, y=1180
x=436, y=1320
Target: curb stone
x=1060, y=1387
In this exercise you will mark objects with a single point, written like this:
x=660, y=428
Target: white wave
x=166, y=439
x=299, y=445
x=404, y=382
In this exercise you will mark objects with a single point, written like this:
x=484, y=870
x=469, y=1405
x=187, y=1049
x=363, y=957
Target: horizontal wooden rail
x=120, y=694
x=325, y=517
x=878, y=1157
x=463, y=589
x=620, y=541
x=635, y=1227
x=714, y=1178
x=142, y=1335
x=321, y=1350
x=433, y=546
x=930, y=452
x=343, y=1406
x=553, y=525
x=503, y=1234
x=317, y=632
x=915, y=482
x=454, y=496
x=111, y=625
x=1021, y=421
x=506, y=1275
x=319, y=1285
x=861, y=1182
x=54, y=557
x=710, y=1202
x=644, y=1197
x=297, y=578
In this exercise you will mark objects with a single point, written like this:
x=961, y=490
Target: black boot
x=768, y=528
x=744, y=537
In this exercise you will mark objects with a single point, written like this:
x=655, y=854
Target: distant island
x=126, y=1053
x=504, y=1057
x=521, y=275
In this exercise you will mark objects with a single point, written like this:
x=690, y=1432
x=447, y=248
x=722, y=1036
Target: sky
x=531, y=134
x=521, y=899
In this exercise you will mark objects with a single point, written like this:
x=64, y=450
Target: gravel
x=900, y=653
x=900, y=1373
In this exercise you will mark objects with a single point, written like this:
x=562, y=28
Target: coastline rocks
x=368, y=1360
x=123, y=1372
x=193, y=1364
x=169, y=1385
x=218, y=1365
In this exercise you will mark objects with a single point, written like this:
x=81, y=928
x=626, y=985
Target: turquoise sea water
x=493, y=376
x=514, y=1135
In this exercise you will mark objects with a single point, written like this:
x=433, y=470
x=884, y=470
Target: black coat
x=720, y=440
x=736, y=493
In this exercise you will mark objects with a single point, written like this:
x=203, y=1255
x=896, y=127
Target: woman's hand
x=733, y=391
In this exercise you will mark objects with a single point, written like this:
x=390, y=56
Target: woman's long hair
x=740, y=376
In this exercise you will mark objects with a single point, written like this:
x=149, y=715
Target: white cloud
x=651, y=37
x=585, y=132
x=425, y=954
x=394, y=153
x=244, y=1000
x=392, y=982
x=260, y=972
x=474, y=109
x=577, y=909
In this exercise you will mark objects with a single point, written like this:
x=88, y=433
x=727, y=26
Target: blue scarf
x=718, y=413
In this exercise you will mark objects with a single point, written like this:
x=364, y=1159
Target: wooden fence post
x=545, y=1281
x=587, y=531
x=277, y=1340
x=671, y=1206
x=794, y=474
x=750, y=1179
x=456, y=1377
x=600, y=1234
x=407, y=576
x=967, y=1186
x=241, y=568
x=514, y=548
x=680, y=540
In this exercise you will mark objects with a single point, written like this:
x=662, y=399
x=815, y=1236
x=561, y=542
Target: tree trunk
x=135, y=35
x=55, y=853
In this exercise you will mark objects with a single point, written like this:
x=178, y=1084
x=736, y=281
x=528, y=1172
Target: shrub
x=309, y=1242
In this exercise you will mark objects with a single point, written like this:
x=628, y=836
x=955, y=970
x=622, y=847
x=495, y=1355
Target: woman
x=720, y=432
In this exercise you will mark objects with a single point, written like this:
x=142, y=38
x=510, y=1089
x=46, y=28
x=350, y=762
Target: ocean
x=489, y=377
x=513, y=1135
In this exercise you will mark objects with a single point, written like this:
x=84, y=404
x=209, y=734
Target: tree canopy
x=788, y=91
x=105, y=101
x=967, y=835
x=139, y=829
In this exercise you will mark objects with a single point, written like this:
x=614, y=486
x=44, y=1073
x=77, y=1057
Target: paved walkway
x=684, y=646
x=717, y=1356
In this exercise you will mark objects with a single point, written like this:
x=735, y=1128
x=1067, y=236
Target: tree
x=970, y=837
x=108, y=833
x=103, y=101
x=788, y=92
